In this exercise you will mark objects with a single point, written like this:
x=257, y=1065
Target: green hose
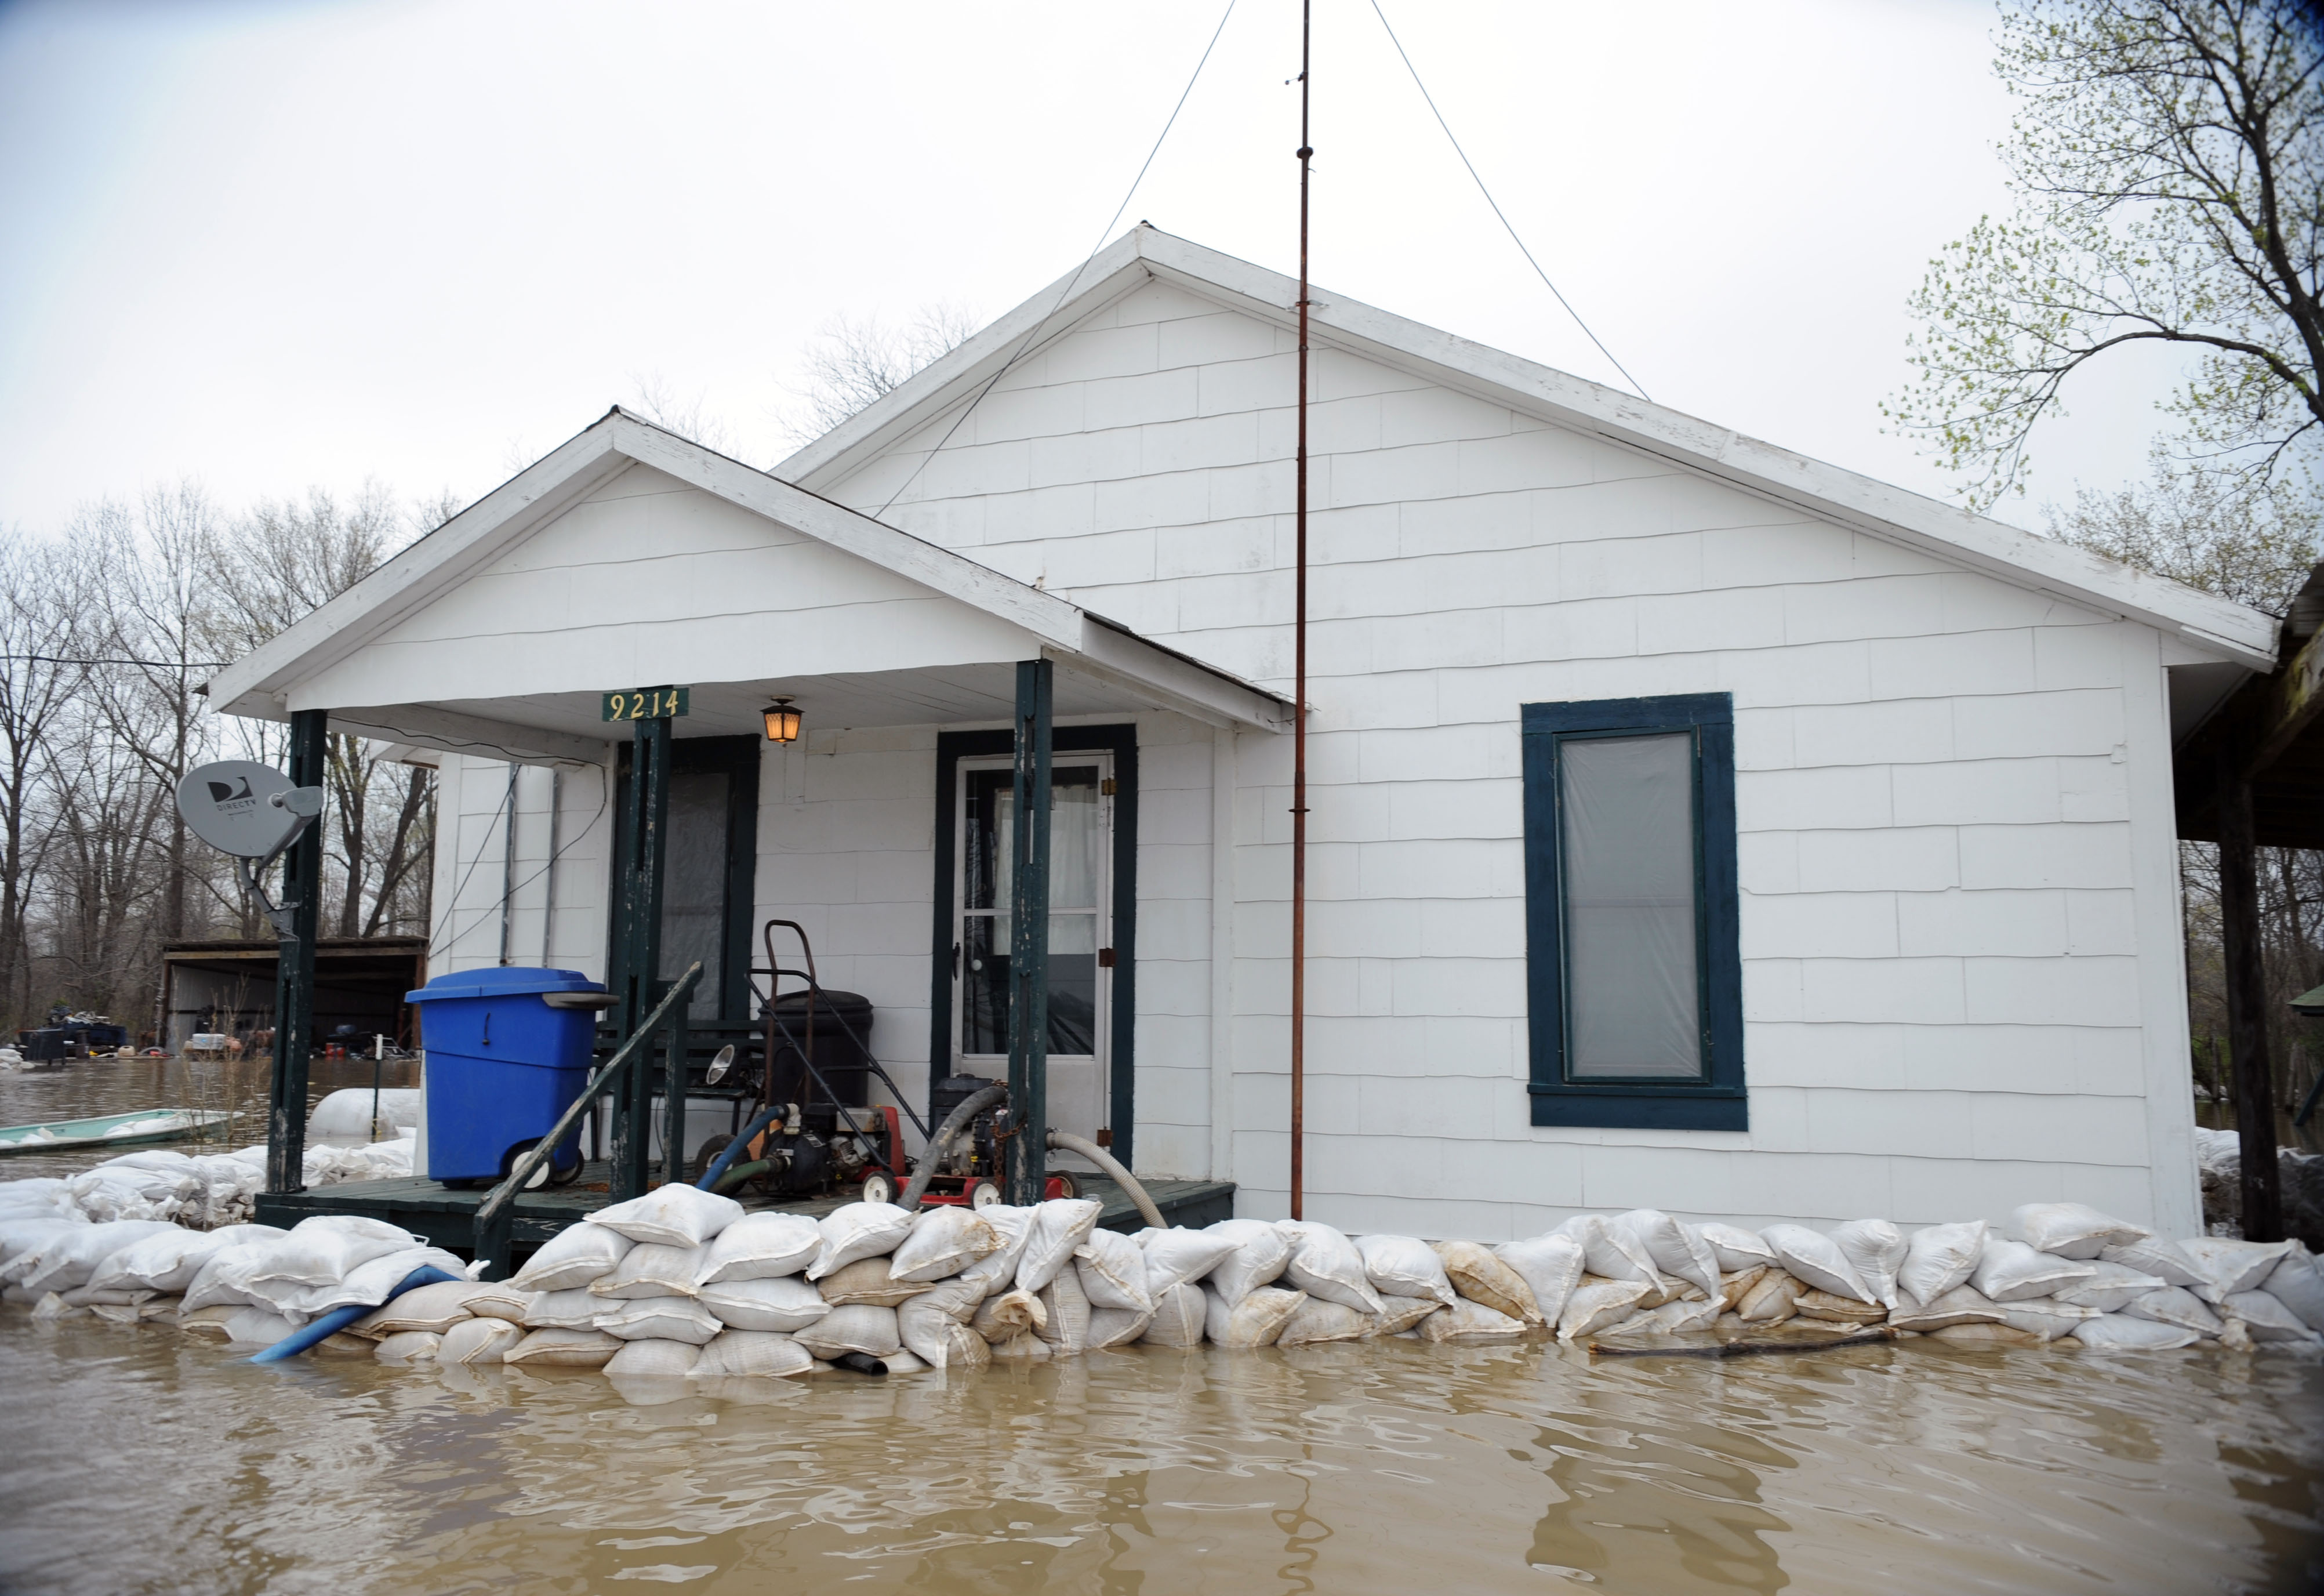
x=740, y=1173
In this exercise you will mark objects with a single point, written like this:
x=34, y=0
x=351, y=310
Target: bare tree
x=38, y=682
x=851, y=363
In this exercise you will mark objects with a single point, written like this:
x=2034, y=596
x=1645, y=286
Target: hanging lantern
x=782, y=719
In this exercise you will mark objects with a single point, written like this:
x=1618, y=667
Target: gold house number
x=644, y=704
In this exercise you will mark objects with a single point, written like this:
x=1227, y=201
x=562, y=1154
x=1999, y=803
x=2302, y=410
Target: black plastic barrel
x=841, y=1050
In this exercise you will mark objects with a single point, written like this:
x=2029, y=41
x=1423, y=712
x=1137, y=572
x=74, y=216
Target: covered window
x=1634, y=976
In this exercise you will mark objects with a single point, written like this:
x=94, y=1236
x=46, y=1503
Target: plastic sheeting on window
x=1626, y=825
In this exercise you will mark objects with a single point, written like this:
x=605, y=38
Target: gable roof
x=260, y=682
x=2218, y=627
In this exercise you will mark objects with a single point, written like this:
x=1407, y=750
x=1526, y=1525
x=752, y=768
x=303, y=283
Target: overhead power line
x=1496, y=204
x=149, y=664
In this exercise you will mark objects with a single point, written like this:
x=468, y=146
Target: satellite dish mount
x=252, y=812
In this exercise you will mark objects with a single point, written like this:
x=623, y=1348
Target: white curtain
x=1627, y=840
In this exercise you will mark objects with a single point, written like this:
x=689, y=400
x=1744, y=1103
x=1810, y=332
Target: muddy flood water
x=138, y=1461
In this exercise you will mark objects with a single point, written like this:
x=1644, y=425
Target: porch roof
x=467, y=641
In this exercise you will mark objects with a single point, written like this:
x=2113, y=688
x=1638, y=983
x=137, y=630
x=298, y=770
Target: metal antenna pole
x=1299, y=692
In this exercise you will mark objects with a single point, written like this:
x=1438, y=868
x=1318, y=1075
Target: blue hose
x=718, y=1166
x=338, y=1319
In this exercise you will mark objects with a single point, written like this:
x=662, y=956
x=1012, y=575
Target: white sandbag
x=574, y=1308
x=1550, y=1267
x=1324, y=1263
x=565, y=1349
x=1400, y=1313
x=2012, y=1271
x=867, y=1281
x=1010, y=1315
x=1181, y=1257
x=500, y=1299
x=20, y=1237
x=1673, y=1318
x=573, y=1258
x=1064, y=1314
x=655, y=1318
x=2111, y=1288
x=1024, y=1347
x=166, y=1261
x=2264, y=1318
x=1962, y=1304
x=1810, y=1256
x=2298, y=1284
x=322, y=1249
x=1609, y=1253
x=855, y=1230
x=2044, y=1317
x=1178, y=1318
x=652, y=1269
x=1403, y=1266
x=71, y=1256
x=1940, y=1258
x=1595, y=1305
x=675, y=1215
x=2118, y=1333
x=1833, y=1308
x=1670, y=1247
x=2072, y=1229
x=647, y=1359
x=1736, y=1247
x=1112, y=1269
x=1316, y=1320
x=1261, y=1251
x=1874, y=1249
x=1774, y=1298
x=478, y=1340
x=2165, y=1259
x=1479, y=1277
x=409, y=1346
x=253, y=1327
x=2175, y=1305
x=1059, y=1226
x=1116, y=1328
x=1254, y=1322
x=220, y=1282
x=2231, y=1265
x=752, y=1354
x=857, y=1328
x=1733, y=1288
x=761, y=1247
x=369, y=1284
x=436, y=1307
x=776, y=1306
x=997, y=1271
x=933, y=1325
x=1465, y=1323
x=206, y=1323
x=1985, y=1335
x=944, y=1241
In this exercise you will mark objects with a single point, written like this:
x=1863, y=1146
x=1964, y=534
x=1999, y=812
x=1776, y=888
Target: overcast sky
x=266, y=245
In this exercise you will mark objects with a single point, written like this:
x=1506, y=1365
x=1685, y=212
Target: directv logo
x=223, y=793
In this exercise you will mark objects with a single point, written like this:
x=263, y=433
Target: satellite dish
x=244, y=808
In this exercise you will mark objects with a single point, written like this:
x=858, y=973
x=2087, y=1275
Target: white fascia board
x=258, y=684
x=1113, y=654
x=450, y=730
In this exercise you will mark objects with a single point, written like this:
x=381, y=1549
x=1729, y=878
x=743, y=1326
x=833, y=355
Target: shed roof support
x=1028, y=936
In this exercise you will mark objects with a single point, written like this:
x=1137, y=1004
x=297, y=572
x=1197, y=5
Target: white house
x=1693, y=824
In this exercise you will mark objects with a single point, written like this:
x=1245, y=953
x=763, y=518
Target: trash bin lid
x=825, y=998
x=504, y=981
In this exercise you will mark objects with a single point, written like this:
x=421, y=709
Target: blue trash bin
x=501, y=1066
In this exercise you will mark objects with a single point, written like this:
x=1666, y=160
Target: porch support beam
x=1028, y=936
x=2246, y=995
x=294, y=969
x=641, y=830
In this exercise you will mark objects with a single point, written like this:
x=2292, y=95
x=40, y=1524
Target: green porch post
x=1028, y=937
x=641, y=830
x=294, y=969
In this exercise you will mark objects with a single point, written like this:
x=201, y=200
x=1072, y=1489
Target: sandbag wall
x=681, y=1283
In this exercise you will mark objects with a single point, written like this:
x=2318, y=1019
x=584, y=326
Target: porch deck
x=447, y=1219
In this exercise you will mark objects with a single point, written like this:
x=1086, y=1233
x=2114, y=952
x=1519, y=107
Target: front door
x=1081, y=930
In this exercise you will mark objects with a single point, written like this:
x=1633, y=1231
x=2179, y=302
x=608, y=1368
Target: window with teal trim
x=1634, y=971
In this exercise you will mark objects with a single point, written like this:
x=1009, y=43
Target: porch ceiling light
x=782, y=721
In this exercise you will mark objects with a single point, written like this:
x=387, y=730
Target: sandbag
x=220, y=1281
x=71, y=1256
x=1551, y=1266
x=2299, y=1285
x=1469, y=1321
x=1673, y=1318
x=1316, y=1320
x=1059, y=1226
x=573, y=1258
x=1011, y=1314
x=2264, y=1318
x=1400, y=1313
x=652, y=1269
x=1481, y=1278
x=254, y=1327
x=656, y=1318
x=858, y=1327
x=1022, y=1347
x=867, y=1279
x=672, y=1216
x=1324, y=1263
x=940, y=1340
x=166, y=1262
x=1065, y=1315
x=500, y=1299
x=1939, y=1258
x=1845, y=1310
x=1985, y=1335
x=1963, y=1305
x=1874, y=1249
x=2044, y=1317
x=408, y=1346
x=1180, y=1257
x=777, y=1304
x=367, y=1285
x=643, y=1360
x=2164, y=1259
x=1261, y=1253
x=2111, y=1288
x=904, y=1361
x=1670, y=1247
x=1733, y=1288
x=324, y=1249
x=2230, y=1266
x=436, y=1307
x=755, y=1354
x=1736, y=1247
x=2118, y=1332
x=1112, y=1270
x=1609, y=1253
x=1405, y=1266
x=997, y=1271
x=855, y=1230
x=209, y=1324
x=569, y=1349
x=760, y=1246
x=1116, y=1328
x=1178, y=1316
x=575, y=1309
x=1776, y=1298
x=2010, y=1271
x=1595, y=1305
x=2072, y=1229
x=1254, y=1322
x=944, y=1241
x=2175, y=1305
x=21, y=1237
x=1816, y=1259
x=478, y=1340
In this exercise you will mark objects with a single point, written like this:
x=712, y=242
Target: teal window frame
x=1719, y=1100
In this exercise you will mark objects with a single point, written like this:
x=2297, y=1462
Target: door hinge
x=1105, y=958
x=1107, y=789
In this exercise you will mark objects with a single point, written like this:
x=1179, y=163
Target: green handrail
x=492, y=1215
